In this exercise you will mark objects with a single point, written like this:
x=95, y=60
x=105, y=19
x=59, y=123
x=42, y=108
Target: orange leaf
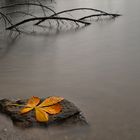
x=49, y=105
x=33, y=101
x=25, y=110
x=41, y=115
x=54, y=109
x=51, y=101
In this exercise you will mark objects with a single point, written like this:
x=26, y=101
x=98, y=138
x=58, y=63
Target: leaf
x=33, y=101
x=25, y=110
x=48, y=106
x=54, y=109
x=41, y=115
x=51, y=101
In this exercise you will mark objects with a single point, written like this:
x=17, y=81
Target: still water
x=97, y=68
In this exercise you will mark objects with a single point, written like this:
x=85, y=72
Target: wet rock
x=69, y=116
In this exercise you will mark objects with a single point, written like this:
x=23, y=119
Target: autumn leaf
x=48, y=106
x=54, y=109
x=31, y=104
x=51, y=101
x=41, y=115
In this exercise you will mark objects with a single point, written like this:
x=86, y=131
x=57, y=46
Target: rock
x=69, y=116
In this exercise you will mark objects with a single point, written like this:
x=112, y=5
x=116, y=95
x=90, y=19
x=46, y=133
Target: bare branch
x=97, y=15
x=8, y=20
x=21, y=12
x=41, y=7
x=50, y=15
x=26, y=4
x=72, y=10
x=46, y=18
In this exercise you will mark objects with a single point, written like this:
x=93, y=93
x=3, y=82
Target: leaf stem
x=16, y=105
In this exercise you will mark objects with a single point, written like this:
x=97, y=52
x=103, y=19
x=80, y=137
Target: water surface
x=97, y=68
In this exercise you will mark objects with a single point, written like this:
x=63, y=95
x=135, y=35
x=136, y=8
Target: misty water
x=96, y=67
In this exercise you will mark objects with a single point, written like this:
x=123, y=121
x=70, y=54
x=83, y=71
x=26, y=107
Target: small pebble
x=5, y=130
x=66, y=137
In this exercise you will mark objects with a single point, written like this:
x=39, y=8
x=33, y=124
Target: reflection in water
x=60, y=21
x=7, y=40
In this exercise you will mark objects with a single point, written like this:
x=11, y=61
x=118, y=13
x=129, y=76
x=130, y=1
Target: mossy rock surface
x=69, y=116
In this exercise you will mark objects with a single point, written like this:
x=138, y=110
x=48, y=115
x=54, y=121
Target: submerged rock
x=69, y=116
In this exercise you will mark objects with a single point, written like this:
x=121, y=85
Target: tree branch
x=72, y=10
x=97, y=15
x=27, y=4
x=46, y=18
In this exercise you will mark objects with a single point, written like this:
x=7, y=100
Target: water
x=97, y=68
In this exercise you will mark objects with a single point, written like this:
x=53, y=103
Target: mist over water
x=97, y=68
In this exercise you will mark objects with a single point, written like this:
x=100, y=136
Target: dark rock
x=69, y=116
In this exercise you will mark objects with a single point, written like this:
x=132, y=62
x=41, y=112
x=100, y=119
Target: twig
x=41, y=7
x=21, y=12
x=28, y=4
x=6, y=19
x=3, y=17
x=72, y=10
x=97, y=15
x=46, y=18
